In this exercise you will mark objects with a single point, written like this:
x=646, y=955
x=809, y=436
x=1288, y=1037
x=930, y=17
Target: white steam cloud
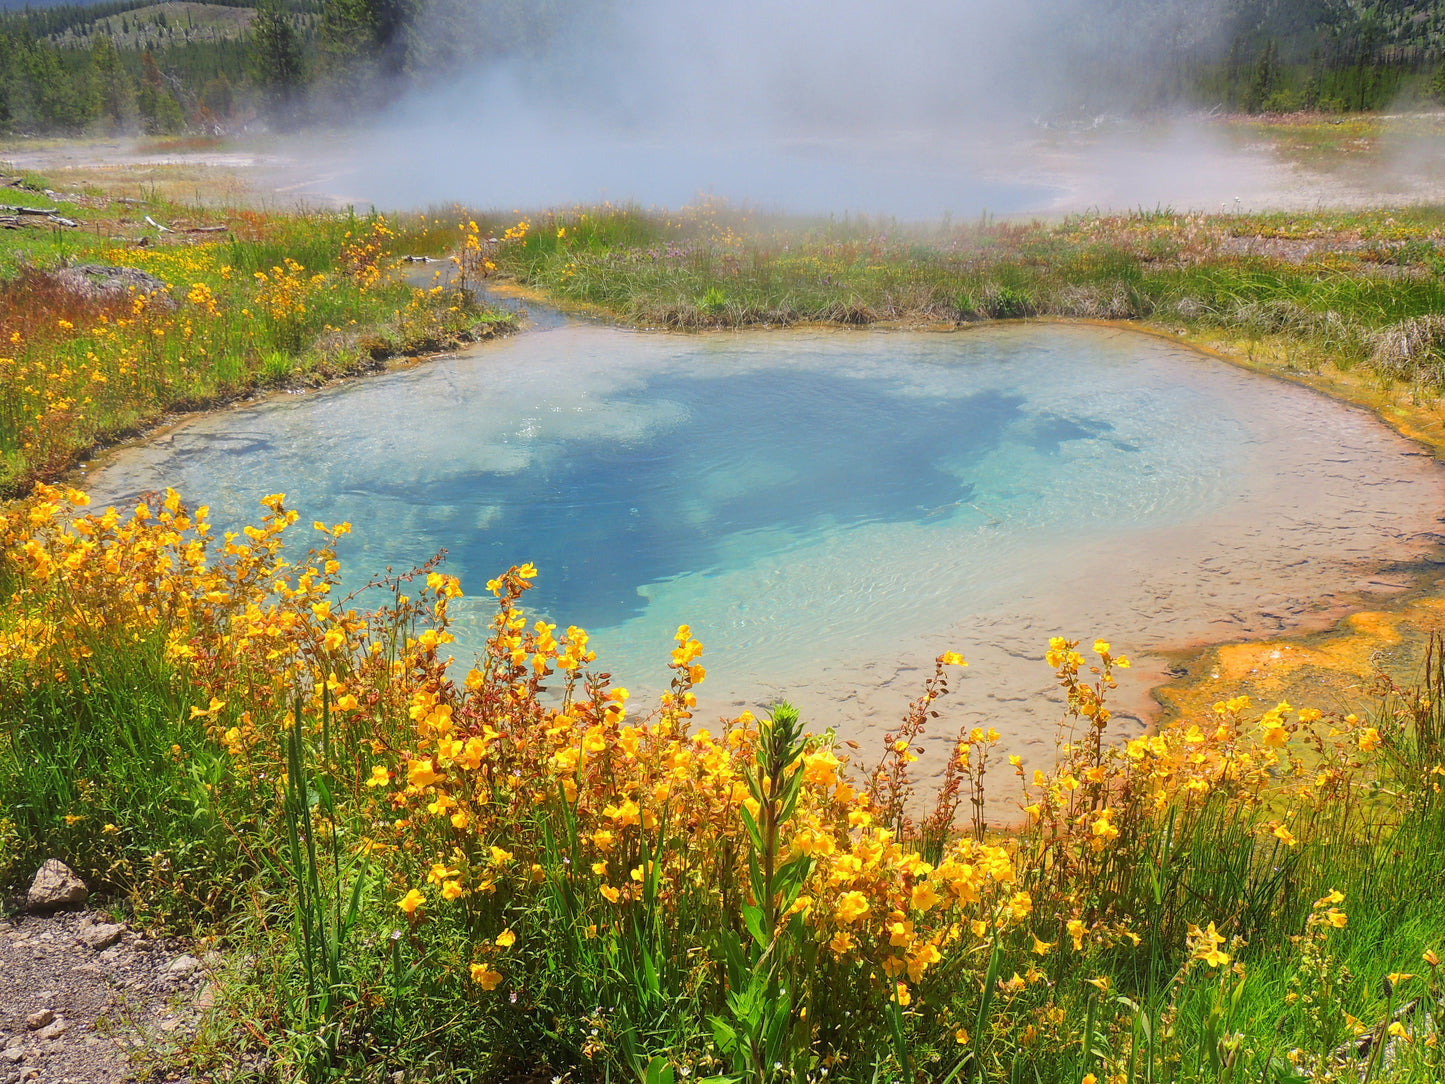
x=910, y=108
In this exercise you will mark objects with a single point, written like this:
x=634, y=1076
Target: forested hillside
x=129, y=65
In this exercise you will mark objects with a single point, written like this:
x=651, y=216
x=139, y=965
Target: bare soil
x=84, y=1000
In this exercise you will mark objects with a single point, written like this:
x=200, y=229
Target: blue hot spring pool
x=830, y=510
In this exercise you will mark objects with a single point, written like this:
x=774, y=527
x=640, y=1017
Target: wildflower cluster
x=77, y=367
x=525, y=811
x=365, y=256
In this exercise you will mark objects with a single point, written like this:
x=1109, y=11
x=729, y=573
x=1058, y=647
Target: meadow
x=508, y=869
x=1360, y=289
x=226, y=307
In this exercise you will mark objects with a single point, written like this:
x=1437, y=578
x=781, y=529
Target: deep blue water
x=823, y=452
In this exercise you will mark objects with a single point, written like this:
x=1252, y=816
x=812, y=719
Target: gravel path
x=79, y=995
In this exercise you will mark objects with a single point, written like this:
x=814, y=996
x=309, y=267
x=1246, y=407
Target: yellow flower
x=485, y=976
x=419, y=773
x=1101, y=647
x=961, y=1037
x=1041, y=948
x=1369, y=739
x=1397, y=1030
x=924, y=896
x=452, y=890
x=952, y=658
x=610, y=894
x=380, y=777
x=506, y=939
x=1211, y=955
x=1284, y=835
x=1076, y=933
x=841, y=943
x=1102, y=983
x=851, y=907
x=411, y=901
x=1336, y=918
x=901, y=994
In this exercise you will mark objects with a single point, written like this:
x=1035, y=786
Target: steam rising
x=911, y=108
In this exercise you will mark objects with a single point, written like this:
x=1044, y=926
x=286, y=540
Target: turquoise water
x=814, y=503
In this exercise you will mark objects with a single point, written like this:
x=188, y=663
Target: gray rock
x=102, y=935
x=182, y=966
x=39, y=1019
x=97, y=281
x=13, y=1055
x=55, y=885
x=52, y=1031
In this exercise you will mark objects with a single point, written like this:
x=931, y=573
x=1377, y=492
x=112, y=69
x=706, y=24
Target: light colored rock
x=52, y=1031
x=55, y=885
x=102, y=935
x=37, y=1020
x=182, y=966
x=12, y=1055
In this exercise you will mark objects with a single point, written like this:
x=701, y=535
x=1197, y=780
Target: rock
x=37, y=1020
x=55, y=885
x=96, y=281
x=102, y=935
x=182, y=966
x=52, y=1031
x=12, y=1055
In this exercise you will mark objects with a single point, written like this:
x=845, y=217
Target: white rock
x=52, y=1031
x=39, y=1019
x=55, y=885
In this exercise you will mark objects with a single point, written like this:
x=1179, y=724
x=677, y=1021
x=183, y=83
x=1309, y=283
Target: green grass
x=1367, y=273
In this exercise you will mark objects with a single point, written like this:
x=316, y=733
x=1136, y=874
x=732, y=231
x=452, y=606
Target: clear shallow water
x=828, y=511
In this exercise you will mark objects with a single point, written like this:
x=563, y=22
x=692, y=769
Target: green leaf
x=753, y=917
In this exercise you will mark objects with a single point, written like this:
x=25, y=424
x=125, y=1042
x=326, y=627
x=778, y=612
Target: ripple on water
x=829, y=511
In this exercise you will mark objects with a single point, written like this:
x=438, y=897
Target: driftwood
x=15, y=217
x=163, y=229
x=206, y=229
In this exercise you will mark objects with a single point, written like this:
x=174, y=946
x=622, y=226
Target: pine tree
x=114, y=95
x=158, y=108
x=275, y=55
